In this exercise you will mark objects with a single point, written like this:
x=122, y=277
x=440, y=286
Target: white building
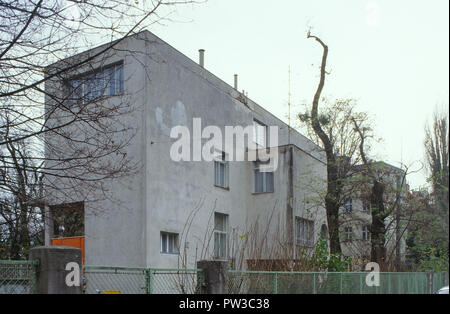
x=172, y=214
x=356, y=216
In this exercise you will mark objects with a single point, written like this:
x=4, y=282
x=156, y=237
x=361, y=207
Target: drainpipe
x=290, y=205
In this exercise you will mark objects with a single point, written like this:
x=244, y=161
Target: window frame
x=348, y=232
x=256, y=124
x=226, y=175
x=304, y=232
x=348, y=208
x=366, y=207
x=175, y=245
x=220, y=233
x=88, y=91
x=365, y=233
x=264, y=176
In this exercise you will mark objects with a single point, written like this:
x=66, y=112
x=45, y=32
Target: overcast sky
x=393, y=56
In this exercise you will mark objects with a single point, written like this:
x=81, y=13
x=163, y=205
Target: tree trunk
x=378, y=228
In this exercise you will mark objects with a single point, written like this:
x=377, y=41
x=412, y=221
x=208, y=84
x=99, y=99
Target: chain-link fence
x=123, y=280
x=244, y=282
x=440, y=280
x=17, y=277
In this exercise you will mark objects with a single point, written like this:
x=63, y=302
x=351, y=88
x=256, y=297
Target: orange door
x=77, y=242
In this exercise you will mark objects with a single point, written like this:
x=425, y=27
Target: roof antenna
x=289, y=105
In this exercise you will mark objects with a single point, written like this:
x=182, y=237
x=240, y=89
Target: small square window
x=348, y=207
x=365, y=206
x=348, y=234
x=169, y=243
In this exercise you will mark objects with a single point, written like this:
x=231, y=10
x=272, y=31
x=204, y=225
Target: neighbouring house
x=174, y=213
x=356, y=215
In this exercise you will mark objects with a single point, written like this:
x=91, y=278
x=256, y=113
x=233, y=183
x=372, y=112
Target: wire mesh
x=17, y=277
x=176, y=281
x=249, y=282
x=440, y=280
x=105, y=280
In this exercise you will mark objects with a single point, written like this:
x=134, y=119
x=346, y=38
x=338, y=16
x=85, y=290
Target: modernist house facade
x=173, y=213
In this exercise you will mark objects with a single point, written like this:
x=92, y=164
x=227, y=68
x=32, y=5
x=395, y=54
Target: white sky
x=393, y=56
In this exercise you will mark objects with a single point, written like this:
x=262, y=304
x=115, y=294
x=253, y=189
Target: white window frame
x=365, y=235
x=365, y=206
x=348, y=233
x=265, y=176
x=304, y=231
x=95, y=85
x=169, y=236
x=259, y=139
x=217, y=163
x=348, y=205
x=220, y=233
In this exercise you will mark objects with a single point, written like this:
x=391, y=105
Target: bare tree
x=20, y=219
x=333, y=130
x=334, y=186
x=387, y=189
x=70, y=139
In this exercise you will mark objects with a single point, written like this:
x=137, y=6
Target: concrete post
x=59, y=270
x=215, y=275
x=430, y=282
x=48, y=226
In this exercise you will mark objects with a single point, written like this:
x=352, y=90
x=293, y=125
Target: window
x=221, y=172
x=365, y=233
x=324, y=232
x=259, y=134
x=220, y=235
x=304, y=231
x=169, y=243
x=348, y=207
x=91, y=87
x=263, y=180
x=365, y=206
x=348, y=234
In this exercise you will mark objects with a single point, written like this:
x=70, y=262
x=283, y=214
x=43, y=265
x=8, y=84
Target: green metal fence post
x=275, y=284
x=314, y=283
x=389, y=284
x=360, y=284
x=150, y=281
x=147, y=281
x=340, y=285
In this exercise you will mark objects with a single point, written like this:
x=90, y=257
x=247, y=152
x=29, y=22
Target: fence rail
x=17, y=277
x=244, y=282
x=123, y=280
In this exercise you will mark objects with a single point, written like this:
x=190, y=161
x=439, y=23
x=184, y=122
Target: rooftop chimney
x=202, y=57
x=236, y=81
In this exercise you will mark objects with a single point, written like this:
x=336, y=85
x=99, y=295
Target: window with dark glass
x=169, y=243
x=94, y=86
x=263, y=181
